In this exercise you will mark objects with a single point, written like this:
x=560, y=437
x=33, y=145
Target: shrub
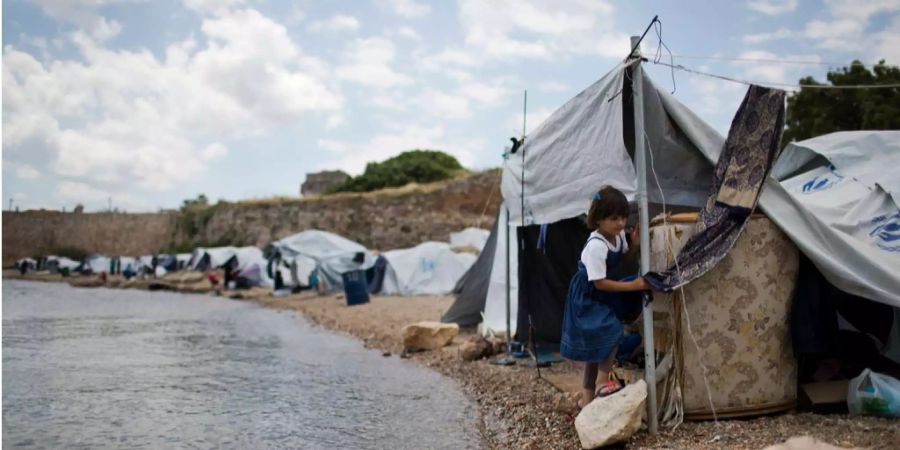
x=415, y=166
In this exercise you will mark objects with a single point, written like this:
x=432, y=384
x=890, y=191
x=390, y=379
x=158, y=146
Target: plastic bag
x=875, y=394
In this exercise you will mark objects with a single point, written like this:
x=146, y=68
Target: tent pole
x=508, y=288
x=641, y=157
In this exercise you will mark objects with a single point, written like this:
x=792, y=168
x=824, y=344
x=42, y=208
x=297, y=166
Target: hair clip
x=597, y=196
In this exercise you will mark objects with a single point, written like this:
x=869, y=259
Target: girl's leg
x=604, y=367
x=589, y=383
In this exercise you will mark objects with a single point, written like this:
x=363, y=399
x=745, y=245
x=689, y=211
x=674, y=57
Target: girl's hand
x=640, y=284
x=636, y=236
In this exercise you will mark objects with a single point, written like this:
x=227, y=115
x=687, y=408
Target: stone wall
x=319, y=182
x=393, y=218
x=38, y=233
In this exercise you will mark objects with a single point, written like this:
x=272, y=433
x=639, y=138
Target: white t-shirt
x=594, y=254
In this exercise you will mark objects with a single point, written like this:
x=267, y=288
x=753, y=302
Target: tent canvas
x=250, y=267
x=56, y=263
x=471, y=289
x=210, y=258
x=183, y=260
x=333, y=254
x=586, y=144
x=96, y=264
x=430, y=268
x=470, y=237
x=495, y=309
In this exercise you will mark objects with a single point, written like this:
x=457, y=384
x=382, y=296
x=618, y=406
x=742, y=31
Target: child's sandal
x=609, y=388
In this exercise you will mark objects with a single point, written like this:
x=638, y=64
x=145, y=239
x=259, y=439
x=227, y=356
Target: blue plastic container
x=356, y=287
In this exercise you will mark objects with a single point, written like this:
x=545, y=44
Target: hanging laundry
x=753, y=144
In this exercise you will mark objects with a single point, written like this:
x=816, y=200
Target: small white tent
x=250, y=267
x=470, y=237
x=430, y=268
x=56, y=263
x=333, y=255
x=203, y=258
x=96, y=264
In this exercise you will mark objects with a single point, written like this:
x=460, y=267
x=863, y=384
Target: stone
x=612, y=419
x=498, y=345
x=475, y=347
x=805, y=443
x=428, y=335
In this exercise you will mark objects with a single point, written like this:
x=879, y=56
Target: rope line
x=779, y=61
x=789, y=86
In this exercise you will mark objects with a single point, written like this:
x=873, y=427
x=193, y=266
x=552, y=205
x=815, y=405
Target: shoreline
x=516, y=408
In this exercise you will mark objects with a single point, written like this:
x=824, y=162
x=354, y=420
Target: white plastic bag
x=875, y=394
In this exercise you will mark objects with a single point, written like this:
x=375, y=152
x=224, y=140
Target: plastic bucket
x=356, y=287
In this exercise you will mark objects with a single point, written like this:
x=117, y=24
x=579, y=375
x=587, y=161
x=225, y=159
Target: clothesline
x=774, y=60
x=788, y=86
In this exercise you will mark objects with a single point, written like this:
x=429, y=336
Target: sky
x=144, y=103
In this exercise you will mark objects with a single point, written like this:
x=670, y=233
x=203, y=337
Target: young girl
x=592, y=323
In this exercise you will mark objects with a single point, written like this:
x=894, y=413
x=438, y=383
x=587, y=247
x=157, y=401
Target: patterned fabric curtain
x=753, y=144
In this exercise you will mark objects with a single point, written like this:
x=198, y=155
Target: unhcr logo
x=821, y=183
x=887, y=232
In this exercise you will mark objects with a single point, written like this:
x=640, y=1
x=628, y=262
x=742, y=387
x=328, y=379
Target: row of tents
x=835, y=196
x=302, y=261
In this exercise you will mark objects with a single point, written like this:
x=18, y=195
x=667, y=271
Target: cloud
x=535, y=118
x=540, y=29
x=85, y=14
x=884, y=43
x=781, y=33
x=408, y=33
x=26, y=172
x=211, y=7
x=75, y=192
x=118, y=119
x=368, y=62
x=444, y=105
x=772, y=7
x=397, y=140
x=844, y=26
x=552, y=87
x=215, y=150
x=335, y=24
x=409, y=9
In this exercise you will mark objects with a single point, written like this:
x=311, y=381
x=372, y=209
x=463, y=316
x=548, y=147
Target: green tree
x=414, y=166
x=200, y=201
x=815, y=111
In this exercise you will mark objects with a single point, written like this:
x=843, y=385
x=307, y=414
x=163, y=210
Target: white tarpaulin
x=251, y=267
x=96, y=263
x=430, y=268
x=838, y=209
x=570, y=155
x=57, y=263
x=183, y=260
x=470, y=237
x=210, y=258
x=495, y=303
x=333, y=254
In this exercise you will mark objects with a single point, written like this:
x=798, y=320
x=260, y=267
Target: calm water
x=98, y=368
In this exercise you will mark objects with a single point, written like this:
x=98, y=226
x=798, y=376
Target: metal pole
x=640, y=162
x=508, y=288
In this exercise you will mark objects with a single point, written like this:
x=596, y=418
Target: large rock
x=428, y=335
x=612, y=419
x=475, y=347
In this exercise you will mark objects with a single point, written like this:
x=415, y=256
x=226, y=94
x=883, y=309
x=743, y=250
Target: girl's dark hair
x=607, y=202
